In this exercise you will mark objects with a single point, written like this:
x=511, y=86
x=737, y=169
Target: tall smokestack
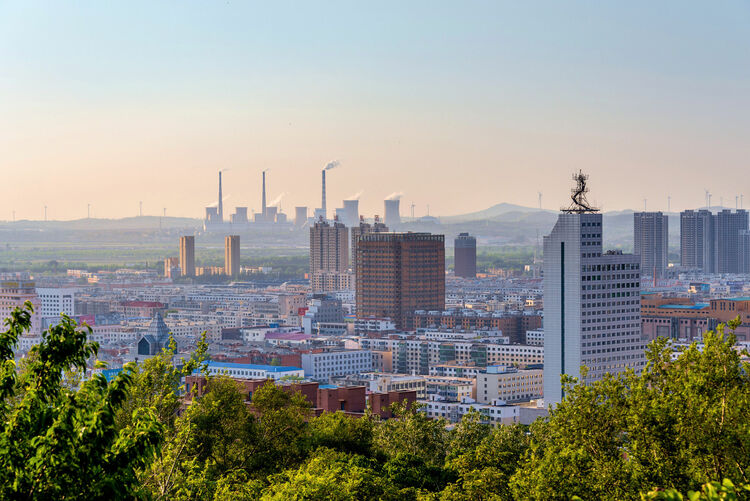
x=264, y=195
x=323, y=203
x=221, y=202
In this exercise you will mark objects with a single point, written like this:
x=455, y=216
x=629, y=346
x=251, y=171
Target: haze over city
x=458, y=107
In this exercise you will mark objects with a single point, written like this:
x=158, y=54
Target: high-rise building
x=187, y=256
x=13, y=294
x=591, y=301
x=55, y=301
x=399, y=273
x=651, y=241
x=729, y=226
x=712, y=242
x=232, y=255
x=171, y=267
x=329, y=249
x=465, y=256
x=363, y=229
x=697, y=239
x=744, y=251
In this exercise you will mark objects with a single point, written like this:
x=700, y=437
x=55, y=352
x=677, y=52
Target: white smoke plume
x=216, y=204
x=396, y=195
x=355, y=196
x=331, y=165
x=276, y=200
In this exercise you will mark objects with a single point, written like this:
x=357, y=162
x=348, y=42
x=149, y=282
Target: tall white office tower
x=591, y=301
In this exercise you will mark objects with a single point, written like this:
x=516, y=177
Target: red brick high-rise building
x=398, y=273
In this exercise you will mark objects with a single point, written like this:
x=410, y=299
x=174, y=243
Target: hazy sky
x=459, y=105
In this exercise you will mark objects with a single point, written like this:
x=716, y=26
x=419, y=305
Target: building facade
x=651, y=242
x=591, y=305
x=465, y=256
x=399, y=273
x=729, y=228
x=187, y=256
x=714, y=243
x=362, y=229
x=329, y=249
x=13, y=294
x=232, y=255
x=55, y=301
x=509, y=384
x=324, y=365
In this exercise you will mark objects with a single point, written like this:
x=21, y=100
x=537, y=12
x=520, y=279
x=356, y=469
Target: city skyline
x=503, y=100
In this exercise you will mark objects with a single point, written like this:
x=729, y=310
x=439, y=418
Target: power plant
x=270, y=214
x=392, y=210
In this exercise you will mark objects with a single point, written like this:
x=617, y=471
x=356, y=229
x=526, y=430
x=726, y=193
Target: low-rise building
x=323, y=365
x=384, y=383
x=454, y=411
x=253, y=371
x=509, y=384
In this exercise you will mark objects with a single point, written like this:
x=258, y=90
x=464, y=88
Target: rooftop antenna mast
x=540, y=198
x=580, y=204
x=412, y=210
x=645, y=201
x=669, y=203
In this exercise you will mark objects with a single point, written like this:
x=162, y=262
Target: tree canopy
x=677, y=430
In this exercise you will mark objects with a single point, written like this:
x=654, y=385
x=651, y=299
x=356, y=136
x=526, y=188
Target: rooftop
x=257, y=367
x=696, y=306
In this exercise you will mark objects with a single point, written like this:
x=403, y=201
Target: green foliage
x=677, y=425
x=157, y=383
x=412, y=432
x=484, y=470
x=334, y=476
x=343, y=433
x=57, y=442
x=711, y=491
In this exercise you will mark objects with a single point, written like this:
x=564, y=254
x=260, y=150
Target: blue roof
x=257, y=367
x=743, y=298
x=327, y=386
x=696, y=306
x=111, y=374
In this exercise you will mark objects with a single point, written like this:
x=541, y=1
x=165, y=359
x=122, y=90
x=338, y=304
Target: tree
x=711, y=491
x=412, y=432
x=678, y=424
x=484, y=470
x=157, y=383
x=57, y=442
x=333, y=476
x=337, y=431
x=468, y=434
x=282, y=428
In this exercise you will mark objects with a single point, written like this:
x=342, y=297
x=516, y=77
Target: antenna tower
x=580, y=204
